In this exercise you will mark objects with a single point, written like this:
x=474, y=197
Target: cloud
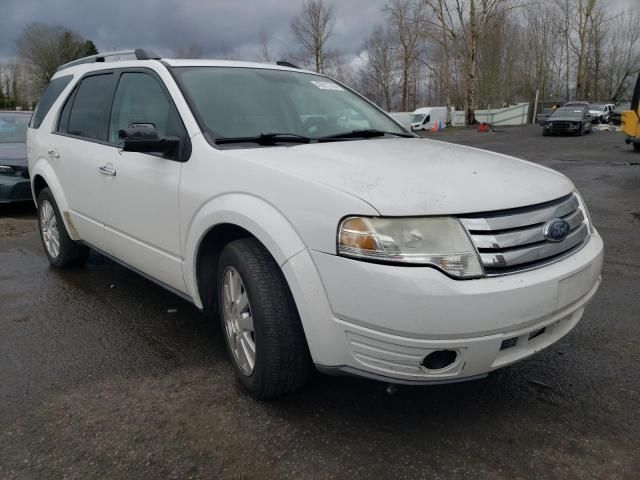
x=219, y=28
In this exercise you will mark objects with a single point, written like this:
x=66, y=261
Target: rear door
x=79, y=148
x=141, y=198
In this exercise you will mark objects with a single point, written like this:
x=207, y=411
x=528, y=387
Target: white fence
x=515, y=115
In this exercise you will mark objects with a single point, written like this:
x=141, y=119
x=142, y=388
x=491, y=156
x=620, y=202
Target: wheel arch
x=43, y=176
x=224, y=219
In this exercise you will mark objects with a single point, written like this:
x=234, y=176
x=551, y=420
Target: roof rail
x=137, y=54
x=283, y=63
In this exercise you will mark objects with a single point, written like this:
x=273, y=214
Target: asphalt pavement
x=105, y=375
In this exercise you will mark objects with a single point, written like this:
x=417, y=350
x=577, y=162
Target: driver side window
x=139, y=98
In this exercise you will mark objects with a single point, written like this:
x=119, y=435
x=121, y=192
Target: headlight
x=441, y=242
x=6, y=169
x=583, y=206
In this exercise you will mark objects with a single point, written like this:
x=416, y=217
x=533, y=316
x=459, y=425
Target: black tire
x=581, y=130
x=282, y=359
x=70, y=253
x=545, y=133
x=636, y=146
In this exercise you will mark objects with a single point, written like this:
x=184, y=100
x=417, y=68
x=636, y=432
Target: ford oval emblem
x=556, y=230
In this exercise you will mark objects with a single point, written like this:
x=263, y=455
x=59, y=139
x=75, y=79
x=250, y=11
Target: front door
x=141, y=196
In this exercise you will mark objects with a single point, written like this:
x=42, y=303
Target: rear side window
x=50, y=94
x=88, y=114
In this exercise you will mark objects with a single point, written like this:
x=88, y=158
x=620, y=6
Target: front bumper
x=384, y=320
x=14, y=188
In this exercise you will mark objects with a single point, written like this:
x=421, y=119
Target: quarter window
x=89, y=115
x=139, y=98
x=50, y=94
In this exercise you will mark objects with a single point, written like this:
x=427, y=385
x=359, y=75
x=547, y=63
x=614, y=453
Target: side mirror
x=143, y=138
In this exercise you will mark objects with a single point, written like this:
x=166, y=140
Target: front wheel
x=60, y=249
x=260, y=321
x=636, y=146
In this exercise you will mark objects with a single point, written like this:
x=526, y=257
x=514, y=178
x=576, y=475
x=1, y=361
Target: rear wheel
x=636, y=146
x=260, y=321
x=60, y=249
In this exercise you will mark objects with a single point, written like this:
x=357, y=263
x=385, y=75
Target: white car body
x=429, y=116
x=602, y=113
x=370, y=319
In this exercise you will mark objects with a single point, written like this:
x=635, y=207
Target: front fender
x=42, y=168
x=249, y=212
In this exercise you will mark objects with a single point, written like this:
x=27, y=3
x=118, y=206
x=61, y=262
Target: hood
x=561, y=118
x=417, y=176
x=13, y=154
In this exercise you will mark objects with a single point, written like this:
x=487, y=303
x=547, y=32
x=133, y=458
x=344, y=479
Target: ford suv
x=319, y=231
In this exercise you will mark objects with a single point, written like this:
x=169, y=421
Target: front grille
x=512, y=240
x=560, y=126
x=21, y=191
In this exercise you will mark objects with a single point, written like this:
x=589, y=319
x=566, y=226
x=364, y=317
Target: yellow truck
x=631, y=119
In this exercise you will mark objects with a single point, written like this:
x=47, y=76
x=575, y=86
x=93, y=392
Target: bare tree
x=43, y=48
x=621, y=56
x=406, y=21
x=312, y=29
x=583, y=11
x=378, y=71
x=265, y=46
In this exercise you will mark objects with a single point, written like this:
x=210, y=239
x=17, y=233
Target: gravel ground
x=101, y=378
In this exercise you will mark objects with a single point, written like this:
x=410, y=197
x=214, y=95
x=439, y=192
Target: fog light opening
x=440, y=359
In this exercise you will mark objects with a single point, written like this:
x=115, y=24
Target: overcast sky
x=221, y=28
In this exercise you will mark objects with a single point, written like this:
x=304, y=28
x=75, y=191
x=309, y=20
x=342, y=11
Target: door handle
x=53, y=154
x=107, y=170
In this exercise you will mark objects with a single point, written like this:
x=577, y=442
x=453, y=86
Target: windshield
x=233, y=102
x=568, y=113
x=417, y=118
x=13, y=127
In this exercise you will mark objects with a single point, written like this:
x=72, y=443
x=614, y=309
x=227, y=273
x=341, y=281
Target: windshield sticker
x=327, y=86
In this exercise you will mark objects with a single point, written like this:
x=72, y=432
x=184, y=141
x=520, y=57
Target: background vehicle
x=14, y=174
x=568, y=121
x=601, y=112
x=245, y=189
x=426, y=117
x=615, y=116
x=631, y=119
x=543, y=115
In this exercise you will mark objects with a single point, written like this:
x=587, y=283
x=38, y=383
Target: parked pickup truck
x=350, y=248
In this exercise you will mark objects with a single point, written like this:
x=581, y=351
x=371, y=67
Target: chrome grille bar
x=534, y=253
x=521, y=237
x=506, y=222
x=512, y=240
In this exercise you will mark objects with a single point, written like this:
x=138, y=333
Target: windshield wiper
x=368, y=133
x=266, y=139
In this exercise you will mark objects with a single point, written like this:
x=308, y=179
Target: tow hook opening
x=439, y=359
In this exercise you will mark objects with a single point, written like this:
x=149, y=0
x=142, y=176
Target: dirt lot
x=100, y=378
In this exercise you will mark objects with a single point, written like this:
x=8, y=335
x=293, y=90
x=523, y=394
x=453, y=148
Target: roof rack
x=137, y=54
x=283, y=63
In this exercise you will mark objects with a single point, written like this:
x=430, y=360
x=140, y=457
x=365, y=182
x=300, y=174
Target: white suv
x=319, y=230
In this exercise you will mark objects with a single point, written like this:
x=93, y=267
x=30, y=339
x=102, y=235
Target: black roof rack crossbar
x=137, y=54
x=283, y=63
